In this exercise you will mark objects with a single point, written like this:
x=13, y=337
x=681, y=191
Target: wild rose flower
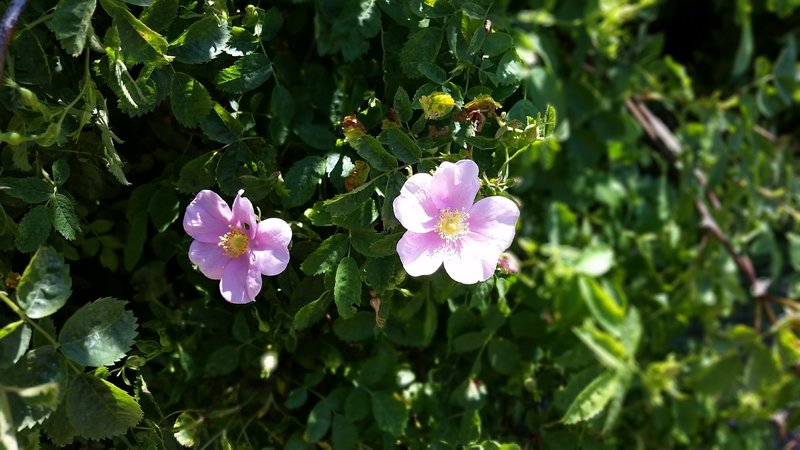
x=445, y=227
x=232, y=247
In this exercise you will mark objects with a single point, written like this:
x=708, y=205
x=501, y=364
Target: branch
x=667, y=145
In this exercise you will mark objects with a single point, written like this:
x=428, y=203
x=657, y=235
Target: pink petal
x=207, y=217
x=421, y=253
x=475, y=261
x=209, y=258
x=271, y=261
x=244, y=215
x=494, y=218
x=271, y=233
x=241, y=280
x=454, y=186
x=414, y=207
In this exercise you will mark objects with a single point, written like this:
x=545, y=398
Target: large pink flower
x=445, y=227
x=232, y=247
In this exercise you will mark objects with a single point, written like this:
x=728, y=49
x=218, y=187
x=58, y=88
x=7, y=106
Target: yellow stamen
x=452, y=224
x=234, y=243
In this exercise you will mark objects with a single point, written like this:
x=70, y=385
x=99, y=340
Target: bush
x=649, y=298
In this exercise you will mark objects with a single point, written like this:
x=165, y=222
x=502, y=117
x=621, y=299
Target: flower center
x=452, y=224
x=234, y=243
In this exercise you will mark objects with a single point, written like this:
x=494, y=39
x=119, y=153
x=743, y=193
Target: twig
x=7, y=27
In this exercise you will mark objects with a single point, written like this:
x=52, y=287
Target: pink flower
x=445, y=227
x=230, y=246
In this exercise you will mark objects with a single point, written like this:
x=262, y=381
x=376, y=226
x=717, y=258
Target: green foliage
x=653, y=160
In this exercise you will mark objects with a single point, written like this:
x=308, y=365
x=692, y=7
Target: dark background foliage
x=656, y=302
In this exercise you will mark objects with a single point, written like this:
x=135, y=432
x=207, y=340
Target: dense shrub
x=649, y=299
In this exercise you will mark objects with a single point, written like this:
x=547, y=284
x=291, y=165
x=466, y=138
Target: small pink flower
x=445, y=227
x=230, y=246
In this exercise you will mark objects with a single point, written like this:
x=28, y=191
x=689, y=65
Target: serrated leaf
x=312, y=312
x=136, y=38
x=401, y=145
x=326, y=256
x=34, y=228
x=402, y=104
x=58, y=428
x=347, y=290
x=189, y=99
x=72, y=20
x=509, y=69
x=29, y=190
x=45, y=284
x=98, y=334
x=63, y=218
x=344, y=204
x=282, y=108
x=246, y=74
x=422, y=46
x=302, y=180
x=201, y=42
x=392, y=189
x=221, y=126
x=610, y=352
x=97, y=409
x=160, y=14
x=432, y=72
x=35, y=381
x=164, y=208
x=379, y=273
x=390, y=413
x=61, y=171
x=592, y=399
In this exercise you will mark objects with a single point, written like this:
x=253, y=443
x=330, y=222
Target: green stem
x=27, y=319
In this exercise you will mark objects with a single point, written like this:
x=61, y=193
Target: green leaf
x=14, y=340
x=63, y=218
x=344, y=435
x=136, y=38
x=497, y=44
x=326, y=256
x=358, y=328
x=222, y=361
x=595, y=261
x=402, y=104
x=189, y=99
x=302, y=180
x=347, y=290
x=98, y=334
x=319, y=422
x=312, y=312
x=34, y=228
x=97, y=409
x=510, y=68
x=344, y=204
x=470, y=428
x=8, y=435
x=201, y=42
x=432, y=72
x=45, y=285
x=390, y=413
x=29, y=190
x=282, y=108
x=715, y=378
x=591, y=401
x=198, y=174
x=371, y=149
x=794, y=250
x=160, y=14
x=379, y=273
x=35, y=381
x=601, y=304
x=401, y=145
x=503, y=355
x=58, y=428
x=392, y=189
x=246, y=74
x=61, y=171
x=164, y=209
x=221, y=126
x=610, y=352
x=72, y=20
x=422, y=46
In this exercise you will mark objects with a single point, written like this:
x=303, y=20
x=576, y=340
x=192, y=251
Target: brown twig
x=667, y=145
